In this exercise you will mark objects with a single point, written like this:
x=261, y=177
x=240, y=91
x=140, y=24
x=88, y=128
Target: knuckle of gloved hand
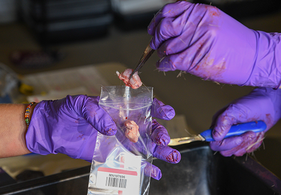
x=78, y=101
x=79, y=97
x=92, y=102
x=211, y=11
x=212, y=32
x=174, y=9
x=209, y=21
x=168, y=28
x=238, y=111
x=73, y=101
x=233, y=114
x=91, y=105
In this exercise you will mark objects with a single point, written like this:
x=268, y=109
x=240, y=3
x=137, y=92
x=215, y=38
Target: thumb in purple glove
x=261, y=104
x=204, y=41
x=68, y=126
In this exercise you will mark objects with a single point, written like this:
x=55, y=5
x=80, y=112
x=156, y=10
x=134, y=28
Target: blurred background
x=45, y=43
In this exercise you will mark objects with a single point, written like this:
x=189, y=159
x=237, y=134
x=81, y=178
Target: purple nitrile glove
x=261, y=104
x=160, y=138
x=204, y=41
x=70, y=126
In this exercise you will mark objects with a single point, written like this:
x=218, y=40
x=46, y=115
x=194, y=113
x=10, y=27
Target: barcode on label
x=115, y=182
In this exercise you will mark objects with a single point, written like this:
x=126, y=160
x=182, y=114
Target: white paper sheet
x=57, y=84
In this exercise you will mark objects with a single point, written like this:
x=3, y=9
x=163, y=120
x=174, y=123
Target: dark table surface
x=200, y=172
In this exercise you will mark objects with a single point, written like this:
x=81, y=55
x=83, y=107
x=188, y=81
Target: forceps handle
x=146, y=54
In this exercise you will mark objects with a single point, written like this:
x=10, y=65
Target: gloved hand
x=206, y=42
x=70, y=126
x=261, y=104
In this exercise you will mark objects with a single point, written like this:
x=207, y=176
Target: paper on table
x=54, y=95
x=57, y=84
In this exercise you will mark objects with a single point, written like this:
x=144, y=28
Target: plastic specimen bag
x=119, y=163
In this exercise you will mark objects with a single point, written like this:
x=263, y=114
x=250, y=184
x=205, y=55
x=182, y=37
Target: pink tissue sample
x=132, y=131
x=134, y=82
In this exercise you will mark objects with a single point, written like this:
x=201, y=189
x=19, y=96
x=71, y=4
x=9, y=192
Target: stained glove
x=261, y=104
x=70, y=126
x=204, y=41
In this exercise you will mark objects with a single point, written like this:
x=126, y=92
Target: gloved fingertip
x=152, y=171
x=156, y=173
x=169, y=112
x=174, y=157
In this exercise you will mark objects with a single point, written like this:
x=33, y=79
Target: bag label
x=126, y=181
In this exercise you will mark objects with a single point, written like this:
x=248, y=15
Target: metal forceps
x=146, y=54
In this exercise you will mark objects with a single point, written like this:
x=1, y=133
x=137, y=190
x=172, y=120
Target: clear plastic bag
x=119, y=164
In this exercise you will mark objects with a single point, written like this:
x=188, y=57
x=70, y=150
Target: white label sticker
x=125, y=179
x=127, y=182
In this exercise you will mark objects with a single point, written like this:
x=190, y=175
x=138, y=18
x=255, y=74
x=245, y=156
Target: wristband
x=27, y=113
